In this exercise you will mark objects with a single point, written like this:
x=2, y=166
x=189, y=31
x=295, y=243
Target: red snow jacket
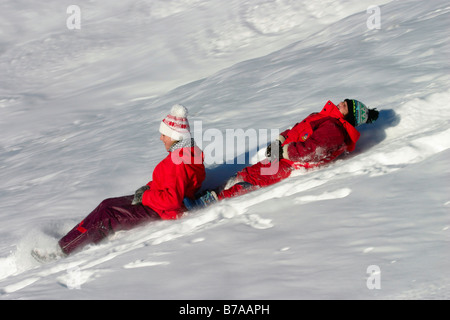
x=318, y=139
x=179, y=175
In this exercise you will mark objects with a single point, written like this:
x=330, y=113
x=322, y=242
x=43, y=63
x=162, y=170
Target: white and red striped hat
x=176, y=124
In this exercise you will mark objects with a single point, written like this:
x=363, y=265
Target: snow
x=80, y=112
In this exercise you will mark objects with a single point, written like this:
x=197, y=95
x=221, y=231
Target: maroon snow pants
x=110, y=216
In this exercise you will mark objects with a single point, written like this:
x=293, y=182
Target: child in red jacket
x=317, y=140
x=178, y=176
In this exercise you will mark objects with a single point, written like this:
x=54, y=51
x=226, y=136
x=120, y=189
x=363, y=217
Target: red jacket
x=178, y=176
x=319, y=139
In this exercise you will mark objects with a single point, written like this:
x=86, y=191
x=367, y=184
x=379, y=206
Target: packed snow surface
x=79, y=117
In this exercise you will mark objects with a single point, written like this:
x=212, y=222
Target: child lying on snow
x=317, y=140
x=178, y=176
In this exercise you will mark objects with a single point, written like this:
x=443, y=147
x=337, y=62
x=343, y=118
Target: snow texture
x=80, y=111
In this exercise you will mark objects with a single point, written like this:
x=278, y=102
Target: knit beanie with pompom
x=176, y=124
x=359, y=114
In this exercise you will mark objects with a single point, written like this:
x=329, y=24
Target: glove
x=138, y=195
x=274, y=150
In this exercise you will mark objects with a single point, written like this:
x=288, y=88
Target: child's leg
x=261, y=174
x=110, y=216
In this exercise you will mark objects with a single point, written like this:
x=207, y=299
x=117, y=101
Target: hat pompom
x=373, y=115
x=179, y=111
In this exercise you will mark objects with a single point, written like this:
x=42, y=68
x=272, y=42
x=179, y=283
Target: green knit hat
x=359, y=113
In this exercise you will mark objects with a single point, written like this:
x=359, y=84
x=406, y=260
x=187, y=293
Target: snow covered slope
x=80, y=110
